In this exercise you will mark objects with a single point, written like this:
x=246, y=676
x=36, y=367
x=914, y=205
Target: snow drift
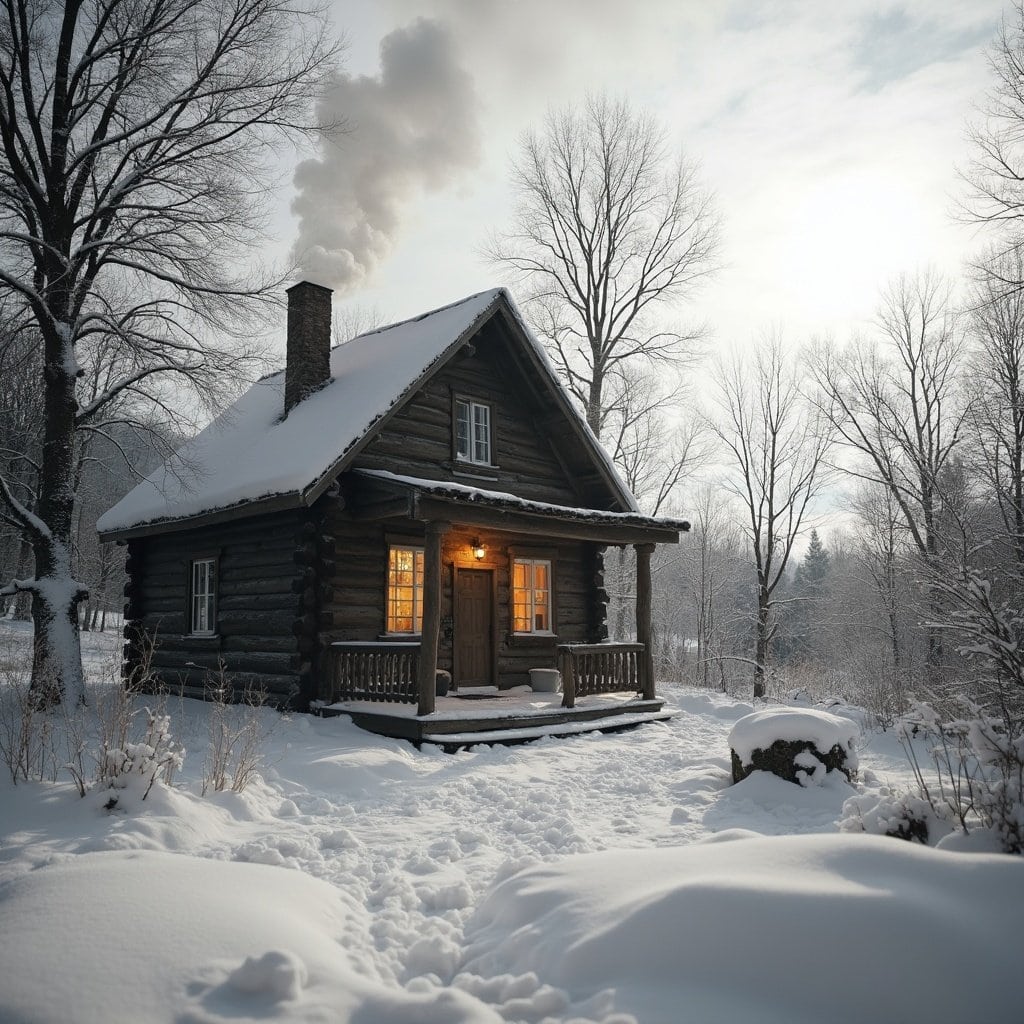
x=786, y=929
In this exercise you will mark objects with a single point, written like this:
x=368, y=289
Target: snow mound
x=280, y=973
x=758, y=731
x=158, y=937
x=795, y=929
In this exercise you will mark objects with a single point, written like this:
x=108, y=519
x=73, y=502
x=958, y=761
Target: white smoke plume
x=414, y=127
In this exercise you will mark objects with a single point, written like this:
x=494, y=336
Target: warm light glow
x=478, y=550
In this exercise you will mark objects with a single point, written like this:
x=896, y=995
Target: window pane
x=462, y=430
x=481, y=433
x=405, y=590
x=203, y=597
x=531, y=595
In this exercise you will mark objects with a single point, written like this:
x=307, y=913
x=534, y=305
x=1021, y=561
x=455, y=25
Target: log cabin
x=422, y=503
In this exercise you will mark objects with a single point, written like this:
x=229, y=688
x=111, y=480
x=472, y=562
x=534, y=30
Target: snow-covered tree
x=136, y=141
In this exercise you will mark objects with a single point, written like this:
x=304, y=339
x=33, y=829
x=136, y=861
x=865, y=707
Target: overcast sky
x=829, y=131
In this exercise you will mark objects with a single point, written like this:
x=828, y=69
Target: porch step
x=453, y=741
x=512, y=719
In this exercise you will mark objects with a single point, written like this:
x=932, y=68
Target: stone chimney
x=308, y=365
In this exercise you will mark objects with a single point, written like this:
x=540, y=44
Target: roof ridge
x=500, y=290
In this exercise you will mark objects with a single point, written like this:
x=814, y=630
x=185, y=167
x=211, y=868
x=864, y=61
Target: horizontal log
x=191, y=683
x=351, y=618
x=271, y=663
x=230, y=601
x=244, y=623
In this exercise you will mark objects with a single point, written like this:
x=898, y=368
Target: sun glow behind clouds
x=849, y=233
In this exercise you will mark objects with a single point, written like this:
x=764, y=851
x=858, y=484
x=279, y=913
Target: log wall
x=417, y=441
x=266, y=612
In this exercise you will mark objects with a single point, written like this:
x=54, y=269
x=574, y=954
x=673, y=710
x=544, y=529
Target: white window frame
x=202, y=597
x=417, y=591
x=531, y=594
x=478, y=432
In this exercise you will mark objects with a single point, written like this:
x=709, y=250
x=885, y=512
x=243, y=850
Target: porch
x=603, y=687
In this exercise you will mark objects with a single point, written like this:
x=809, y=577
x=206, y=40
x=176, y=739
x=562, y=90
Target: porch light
x=478, y=550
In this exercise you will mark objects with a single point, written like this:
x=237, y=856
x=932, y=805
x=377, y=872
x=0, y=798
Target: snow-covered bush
x=971, y=783
x=156, y=756
x=896, y=814
x=800, y=745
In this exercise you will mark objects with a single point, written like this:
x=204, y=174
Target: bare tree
x=882, y=543
x=712, y=571
x=776, y=445
x=607, y=227
x=997, y=409
x=137, y=139
x=995, y=174
x=902, y=407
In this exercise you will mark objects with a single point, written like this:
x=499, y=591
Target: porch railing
x=599, y=668
x=373, y=671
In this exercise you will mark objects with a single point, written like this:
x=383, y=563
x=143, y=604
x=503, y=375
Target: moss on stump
x=781, y=759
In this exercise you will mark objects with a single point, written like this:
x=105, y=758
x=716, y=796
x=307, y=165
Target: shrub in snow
x=970, y=782
x=891, y=813
x=798, y=745
x=235, y=752
x=968, y=758
x=155, y=756
x=26, y=723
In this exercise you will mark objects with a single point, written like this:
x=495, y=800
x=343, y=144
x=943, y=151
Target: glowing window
x=405, y=590
x=531, y=595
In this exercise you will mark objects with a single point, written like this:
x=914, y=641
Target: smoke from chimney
x=412, y=128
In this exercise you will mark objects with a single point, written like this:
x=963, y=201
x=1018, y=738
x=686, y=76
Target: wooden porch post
x=643, y=617
x=431, y=616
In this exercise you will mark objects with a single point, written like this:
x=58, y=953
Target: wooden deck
x=506, y=717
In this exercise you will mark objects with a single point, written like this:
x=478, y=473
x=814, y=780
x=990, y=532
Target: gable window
x=203, y=597
x=472, y=432
x=405, y=590
x=531, y=595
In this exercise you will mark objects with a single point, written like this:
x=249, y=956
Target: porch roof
x=383, y=494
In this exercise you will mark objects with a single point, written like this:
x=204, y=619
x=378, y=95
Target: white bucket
x=545, y=680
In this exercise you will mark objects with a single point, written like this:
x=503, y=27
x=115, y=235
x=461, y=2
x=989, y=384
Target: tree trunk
x=23, y=599
x=762, y=639
x=57, y=656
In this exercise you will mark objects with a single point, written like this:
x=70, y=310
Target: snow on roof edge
x=471, y=493
x=114, y=525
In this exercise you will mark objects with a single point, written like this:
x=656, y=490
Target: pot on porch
x=545, y=680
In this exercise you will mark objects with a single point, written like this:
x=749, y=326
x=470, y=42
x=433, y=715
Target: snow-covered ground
x=603, y=878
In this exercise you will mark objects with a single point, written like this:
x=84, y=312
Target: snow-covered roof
x=468, y=494
x=250, y=454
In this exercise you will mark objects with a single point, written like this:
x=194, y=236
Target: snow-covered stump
x=798, y=745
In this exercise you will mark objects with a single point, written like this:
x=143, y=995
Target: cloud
x=413, y=127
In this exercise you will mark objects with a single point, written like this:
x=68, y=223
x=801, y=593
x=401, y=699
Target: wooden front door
x=474, y=627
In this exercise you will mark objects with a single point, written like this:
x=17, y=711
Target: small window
x=405, y=590
x=531, y=595
x=472, y=432
x=203, y=597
